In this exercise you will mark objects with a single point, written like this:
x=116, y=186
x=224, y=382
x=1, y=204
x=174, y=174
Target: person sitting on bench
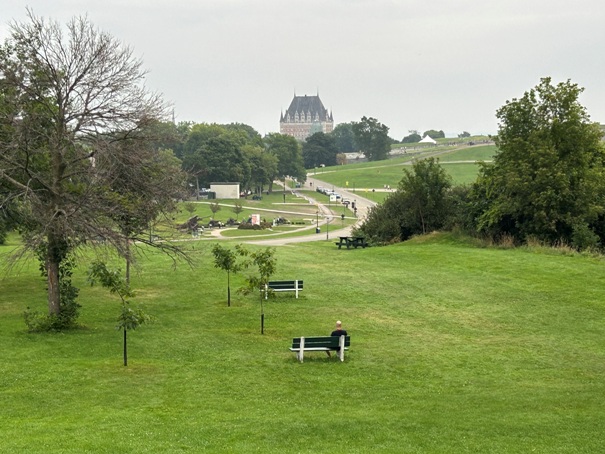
x=338, y=332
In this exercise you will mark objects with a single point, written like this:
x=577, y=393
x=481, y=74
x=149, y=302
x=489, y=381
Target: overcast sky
x=412, y=64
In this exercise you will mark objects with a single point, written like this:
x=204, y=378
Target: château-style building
x=305, y=116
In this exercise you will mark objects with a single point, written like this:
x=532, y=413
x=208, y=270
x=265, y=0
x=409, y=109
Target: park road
x=363, y=205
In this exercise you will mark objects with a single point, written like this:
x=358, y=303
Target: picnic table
x=351, y=241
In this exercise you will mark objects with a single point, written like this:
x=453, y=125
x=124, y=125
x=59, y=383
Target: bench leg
x=301, y=353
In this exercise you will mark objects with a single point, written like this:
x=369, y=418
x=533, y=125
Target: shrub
x=248, y=226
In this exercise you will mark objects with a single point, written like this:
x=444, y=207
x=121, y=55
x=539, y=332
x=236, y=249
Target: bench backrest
x=324, y=341
x=283, y=285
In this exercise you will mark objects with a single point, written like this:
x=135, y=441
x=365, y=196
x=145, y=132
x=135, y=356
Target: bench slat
x=283, y=286
x=290, y=285
x=323, y=341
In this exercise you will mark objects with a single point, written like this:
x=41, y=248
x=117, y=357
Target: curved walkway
x=363, y=205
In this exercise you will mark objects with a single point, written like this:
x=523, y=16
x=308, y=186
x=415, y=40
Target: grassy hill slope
x=455, y=348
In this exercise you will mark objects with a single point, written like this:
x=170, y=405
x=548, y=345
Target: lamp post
x=317, y=220
x=328, y=219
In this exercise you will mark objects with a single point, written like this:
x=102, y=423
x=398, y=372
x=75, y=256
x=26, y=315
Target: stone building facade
x=305, y=116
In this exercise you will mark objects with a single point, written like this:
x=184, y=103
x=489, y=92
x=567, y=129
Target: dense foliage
x=372, y=138
x=413, y=137
x=548, y=179
x=420, y=205
x=434, y=134
x=546, y=183
x=345, y=138
x=318, y=149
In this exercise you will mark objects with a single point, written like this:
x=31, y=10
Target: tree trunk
x=54, y=296
x=125, y=350
x=128, y=261
x=228, y=290
x=54, y=255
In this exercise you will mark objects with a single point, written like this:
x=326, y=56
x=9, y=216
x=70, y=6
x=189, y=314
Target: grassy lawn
x=480, y=153
x=461, y=173
x=455, y=349
x=377, y=174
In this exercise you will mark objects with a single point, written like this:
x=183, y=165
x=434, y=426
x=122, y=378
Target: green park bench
x=300, y=345
x=284, y=286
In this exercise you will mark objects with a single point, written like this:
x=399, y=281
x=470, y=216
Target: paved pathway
x=363, y=205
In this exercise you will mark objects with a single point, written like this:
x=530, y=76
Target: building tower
x=305, y=116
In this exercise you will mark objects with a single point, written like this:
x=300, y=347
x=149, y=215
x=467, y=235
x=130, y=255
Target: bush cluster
x=247, y=226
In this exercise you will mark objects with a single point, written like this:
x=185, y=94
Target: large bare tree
x=76, y=127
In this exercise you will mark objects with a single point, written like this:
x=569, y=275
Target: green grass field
x=458, y=162
x=455, y=349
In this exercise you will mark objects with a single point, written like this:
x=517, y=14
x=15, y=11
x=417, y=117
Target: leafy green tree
x=373, y=139
x=318, y=149
x=266, y=265
x=464, y=134
x=237, y=209
x=425, y=191
x=413, y=137
x=129, y=318
x=434, y=134
x=214, y=153
x=420, y=205
x=215, y=208
x=344, y=138
x=252, y=135
x=190, y=207
x=226, y=260
x=71, y=102
x=287, y=150
x=547, y=180
x=263, y=167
